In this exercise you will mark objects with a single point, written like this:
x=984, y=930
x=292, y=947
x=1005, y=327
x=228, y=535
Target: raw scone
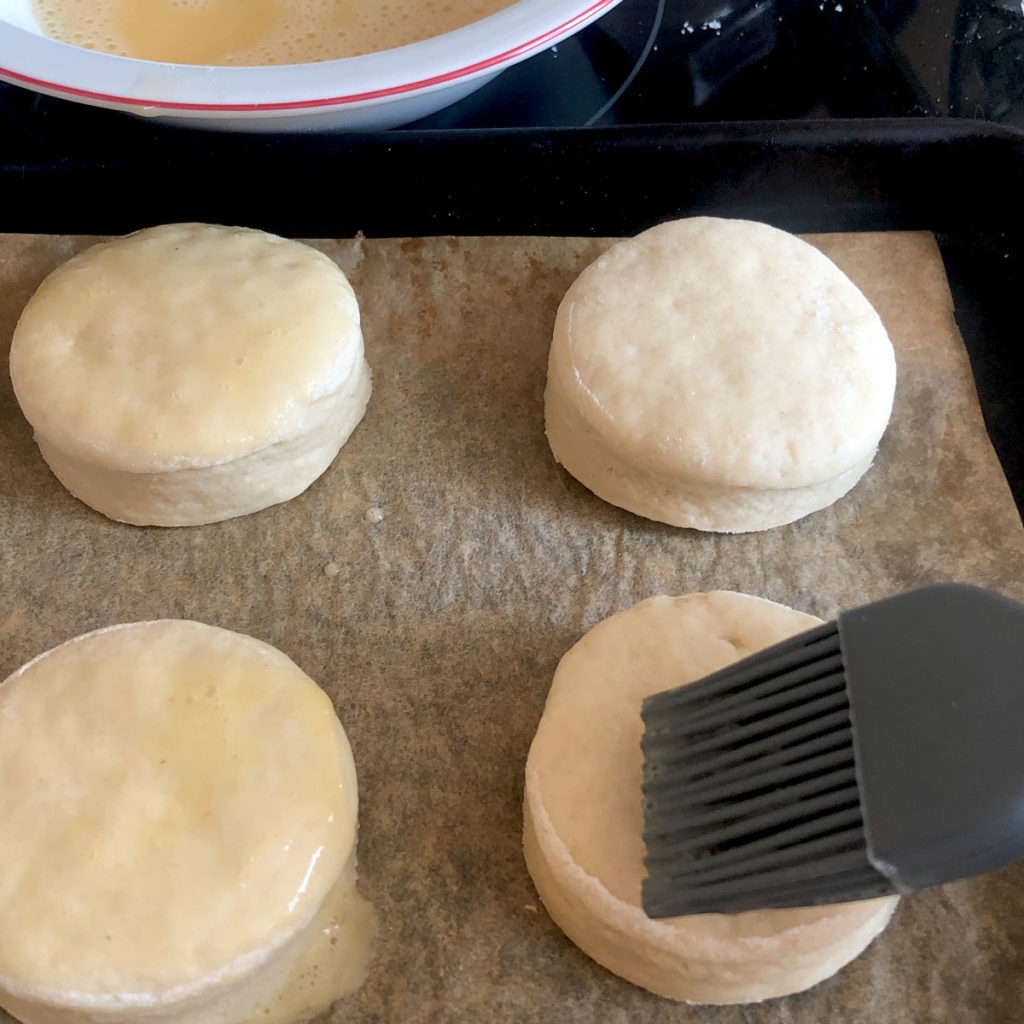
x=717, y=374
x=189, y=373
x=584, y=820
x=179, y=833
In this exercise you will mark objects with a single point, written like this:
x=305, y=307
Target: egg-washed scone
x=179, y=834
x=717, y=374
x=189, y=373
x=584, y=817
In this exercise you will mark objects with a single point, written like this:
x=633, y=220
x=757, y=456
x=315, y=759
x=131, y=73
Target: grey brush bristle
x=750, y=787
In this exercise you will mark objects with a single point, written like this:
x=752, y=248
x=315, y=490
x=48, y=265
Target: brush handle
x=935, y=681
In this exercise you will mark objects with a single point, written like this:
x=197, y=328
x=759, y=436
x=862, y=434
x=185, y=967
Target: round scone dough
x=584, y=818
x=190, y=373
x=179, y=833
x=717, y=374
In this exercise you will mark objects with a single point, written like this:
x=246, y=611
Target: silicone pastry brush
x=880, y=753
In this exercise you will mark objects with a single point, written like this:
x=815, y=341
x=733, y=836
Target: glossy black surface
x=727, y=60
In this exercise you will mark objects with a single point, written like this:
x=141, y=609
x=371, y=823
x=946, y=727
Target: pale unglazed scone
x=584, y=821
x=190, y=373
x=179, y=808
x=717, y=374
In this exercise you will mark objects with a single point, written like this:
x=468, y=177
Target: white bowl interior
x=19, y=13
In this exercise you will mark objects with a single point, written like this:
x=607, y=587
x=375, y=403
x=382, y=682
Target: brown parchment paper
x=436, y=629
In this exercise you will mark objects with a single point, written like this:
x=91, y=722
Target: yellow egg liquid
x=252, y=32
x=333, y=964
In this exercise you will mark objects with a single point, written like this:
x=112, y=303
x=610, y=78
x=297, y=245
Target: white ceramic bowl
x=379, y=90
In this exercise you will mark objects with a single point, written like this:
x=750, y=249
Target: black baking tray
x=960, y=179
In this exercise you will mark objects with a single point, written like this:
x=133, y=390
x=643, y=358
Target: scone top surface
x=727, y=351
x=184, y=344
x=176, y=800
x=585, y=767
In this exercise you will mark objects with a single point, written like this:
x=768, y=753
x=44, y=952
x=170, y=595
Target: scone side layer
x=676, y=962
x=591, y=459
x=274, y=988
x=194, y=496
